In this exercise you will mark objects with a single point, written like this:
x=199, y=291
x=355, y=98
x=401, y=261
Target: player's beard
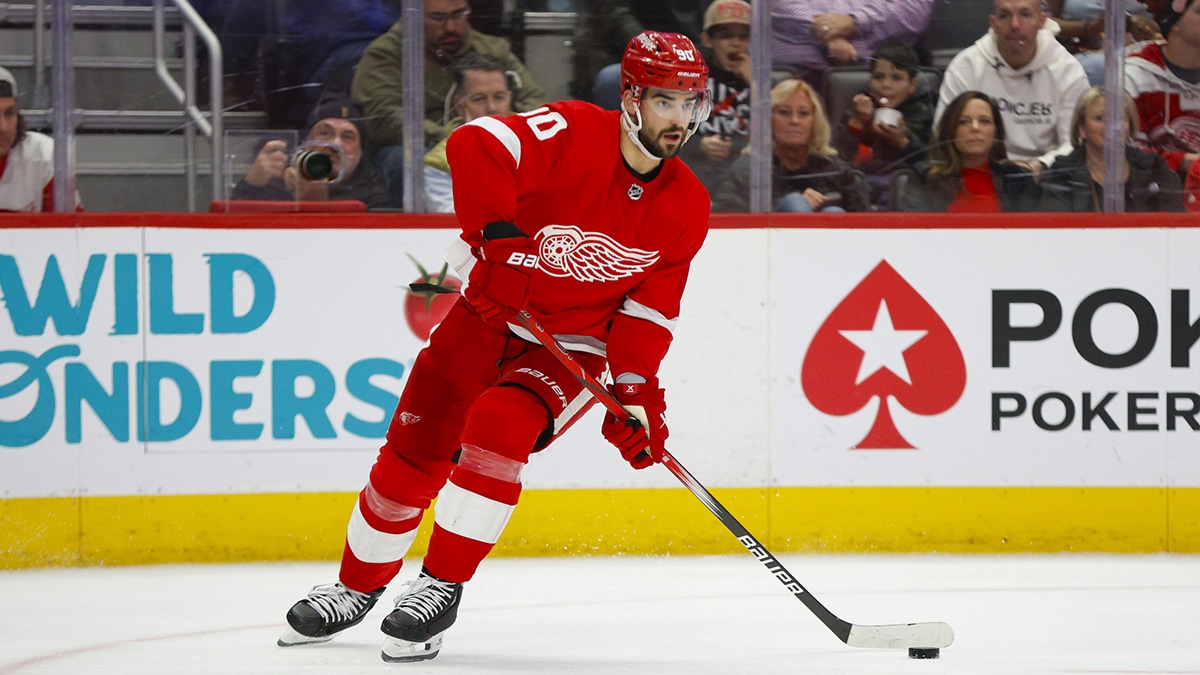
x=655, y=145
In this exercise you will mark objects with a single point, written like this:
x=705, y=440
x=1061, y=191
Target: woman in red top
x=968, y=170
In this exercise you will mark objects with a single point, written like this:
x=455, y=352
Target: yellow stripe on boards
x=980, y=520
x=311, y=526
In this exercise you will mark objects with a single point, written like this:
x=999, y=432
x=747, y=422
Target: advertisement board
x=987, y=357
x=858, y=386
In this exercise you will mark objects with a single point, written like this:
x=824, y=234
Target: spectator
x=1031, y=77
x=810, y=35
x=1076, y=182
x=721, y=138
x=1164, y=80
x=613, y=23
x=335, y=121
x=481, y=88
x=26, y=158
x=1081, y=30
x=967, y=170
x=806, y=173
x=448, y=37
x=879, y=143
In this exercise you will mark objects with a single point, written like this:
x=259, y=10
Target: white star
x=883, y=346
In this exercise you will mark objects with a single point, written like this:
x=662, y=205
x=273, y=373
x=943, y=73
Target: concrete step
x=136, y=153
x=86, y=43
x=114, y=69
x=102, y=121
x=91, y=15
x=139, y=172
x=126, y=192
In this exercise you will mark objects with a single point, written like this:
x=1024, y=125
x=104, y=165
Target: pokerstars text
x=1128, y=314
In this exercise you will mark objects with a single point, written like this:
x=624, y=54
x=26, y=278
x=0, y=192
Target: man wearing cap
x=720, y=139
x=1163, y=77
x=335, y=128
x=26, y=158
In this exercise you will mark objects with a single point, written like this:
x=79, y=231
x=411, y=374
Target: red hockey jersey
x=613, y=250
x=1168, y=107
x=1168, y=111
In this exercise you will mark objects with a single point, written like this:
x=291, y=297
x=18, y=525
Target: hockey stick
x=890, y=636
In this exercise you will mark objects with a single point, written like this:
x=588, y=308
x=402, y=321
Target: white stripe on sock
x=372, y=546
x=470, y=515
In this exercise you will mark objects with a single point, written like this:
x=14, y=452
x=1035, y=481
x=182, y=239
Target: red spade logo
x=883, y=340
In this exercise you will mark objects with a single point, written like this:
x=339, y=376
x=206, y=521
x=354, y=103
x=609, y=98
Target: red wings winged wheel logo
x=883, y=340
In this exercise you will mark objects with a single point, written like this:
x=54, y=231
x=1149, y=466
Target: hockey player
x=587, y=218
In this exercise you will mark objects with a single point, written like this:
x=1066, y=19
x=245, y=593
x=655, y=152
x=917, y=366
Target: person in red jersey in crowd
x=586, y=218
x=1163, y=78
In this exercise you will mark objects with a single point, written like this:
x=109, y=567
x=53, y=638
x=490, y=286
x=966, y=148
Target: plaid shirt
x=793, y=44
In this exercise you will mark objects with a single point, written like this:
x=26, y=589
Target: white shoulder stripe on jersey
x=503, y=134
x=637, y=309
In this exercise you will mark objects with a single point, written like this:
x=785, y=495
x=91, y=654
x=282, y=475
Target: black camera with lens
x=313, y=164
x=314, y=161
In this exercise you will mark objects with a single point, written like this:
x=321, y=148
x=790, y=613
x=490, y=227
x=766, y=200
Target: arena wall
x=194, y=387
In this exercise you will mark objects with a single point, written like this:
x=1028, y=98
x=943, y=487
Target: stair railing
x=66, y=119
x=213, y=127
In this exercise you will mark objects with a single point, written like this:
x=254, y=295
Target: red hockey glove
x=499, y=282
x=641, y=437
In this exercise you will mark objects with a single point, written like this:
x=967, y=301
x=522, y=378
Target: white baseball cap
x=6, y=76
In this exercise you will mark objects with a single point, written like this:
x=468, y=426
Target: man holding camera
x=335, y=129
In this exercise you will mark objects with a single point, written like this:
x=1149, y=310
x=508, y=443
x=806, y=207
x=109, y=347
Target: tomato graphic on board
x=426, y=309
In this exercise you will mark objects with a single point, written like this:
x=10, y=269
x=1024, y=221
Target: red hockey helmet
x=664, y=61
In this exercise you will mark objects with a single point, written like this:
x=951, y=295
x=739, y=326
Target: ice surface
x=1012, y=615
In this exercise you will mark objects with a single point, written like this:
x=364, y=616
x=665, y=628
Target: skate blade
x=396, y=650
x=291, y=638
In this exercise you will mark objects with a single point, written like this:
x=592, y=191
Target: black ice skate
x=327, y=610
x=423, y=612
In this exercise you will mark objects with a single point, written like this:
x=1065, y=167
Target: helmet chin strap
x=632, y=128
x=633, y=125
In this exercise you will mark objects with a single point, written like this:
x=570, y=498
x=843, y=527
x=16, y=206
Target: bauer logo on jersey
x=567, y=251
x=635, y=192
x=883, y=341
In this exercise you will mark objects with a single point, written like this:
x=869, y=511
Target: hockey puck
x=923, y=652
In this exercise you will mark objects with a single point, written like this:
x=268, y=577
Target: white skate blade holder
x=396, y=650
x=291, y=638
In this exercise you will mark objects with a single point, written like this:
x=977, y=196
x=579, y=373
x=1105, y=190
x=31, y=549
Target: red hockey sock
x=477, y=501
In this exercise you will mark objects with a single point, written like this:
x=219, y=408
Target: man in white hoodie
x=1033, y=79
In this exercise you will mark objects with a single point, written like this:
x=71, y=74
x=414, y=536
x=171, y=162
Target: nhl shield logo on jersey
x=635, y=192
x=567, y=251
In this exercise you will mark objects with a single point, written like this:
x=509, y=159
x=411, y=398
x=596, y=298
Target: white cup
x=888, y=116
